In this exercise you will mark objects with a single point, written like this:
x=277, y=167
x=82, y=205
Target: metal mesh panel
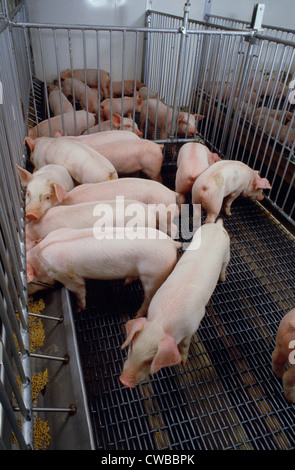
x=226, y=397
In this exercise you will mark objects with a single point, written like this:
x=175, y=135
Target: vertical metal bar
x=12, y=419
x=277, y=132
x=207, y=10
x=135, y=77
x=45, y=82
x=27, y=422
x=10, y=337
x=146, y=47
x=72, y=74
x=111, y=74
x=98, y=77
x=243, y=86
x=85, y=77
x=29, y=59
x=147, y=81
x=123, y=78
x=7, y=223
x=59, y=82
x=11, y=377
x=183, y=39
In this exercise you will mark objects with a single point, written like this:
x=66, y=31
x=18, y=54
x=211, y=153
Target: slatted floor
x=226, y=397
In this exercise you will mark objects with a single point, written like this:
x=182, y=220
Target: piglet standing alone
x=175, y=312
x=284, y=351
x=193, y=158
x=222, y=183
x=70, y=256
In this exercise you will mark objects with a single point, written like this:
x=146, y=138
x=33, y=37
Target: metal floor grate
x=226, y=397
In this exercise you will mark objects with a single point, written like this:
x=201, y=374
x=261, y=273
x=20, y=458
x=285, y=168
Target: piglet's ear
x=216, y=157
x=116, y=119
x=58, y=133
x=30, y=143
x=167, y=354
x=132, y=328
x=25, y=176
x=31, y=275
x=262, y=183
x=59, y=192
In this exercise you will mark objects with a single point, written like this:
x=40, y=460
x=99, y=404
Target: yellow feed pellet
x=41, y=434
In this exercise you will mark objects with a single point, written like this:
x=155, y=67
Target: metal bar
x=12, y=419
x=284, y=42
x=8, y=317
x=64, y=359
x=123, y=75
x=135, y=76
x=98, y=77
x=207, y=10
x=29, y=62
x=46, y=317
x=26, y=387
x=45, y=81
x=43, y=284
x=220, y=30
x=72, y=409
x=85, y=77
x=59, y=81
x=72, y=74
x=111, y=75
x=67, y=301
x=11, y=279
x=15, y=388
x=183, y=37
x=247, y=23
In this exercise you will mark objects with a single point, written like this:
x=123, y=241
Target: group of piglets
x=163, y=338
x=73, y=184
x=101, y=104
x=78, y=177
x=81, y=98
x=215, y=184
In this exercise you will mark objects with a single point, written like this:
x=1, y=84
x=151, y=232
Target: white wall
x=129, y=13
x=86, y=12
x=95, y=12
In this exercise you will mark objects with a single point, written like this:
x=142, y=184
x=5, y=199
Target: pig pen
x=226, y=397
